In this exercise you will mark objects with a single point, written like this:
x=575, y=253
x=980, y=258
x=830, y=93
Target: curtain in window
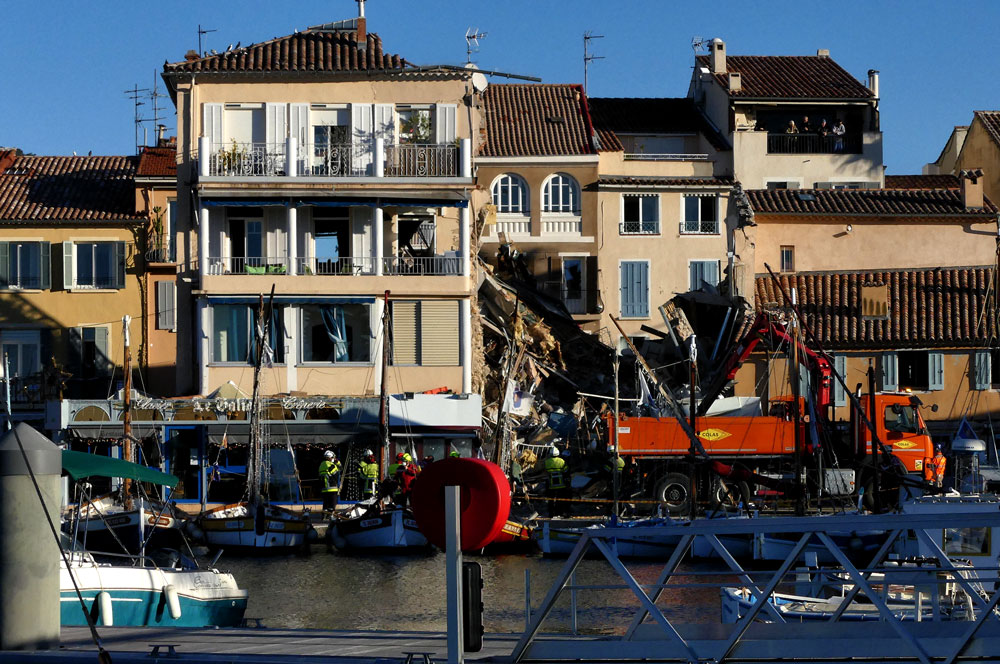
x=336, y=329
x=275, y=335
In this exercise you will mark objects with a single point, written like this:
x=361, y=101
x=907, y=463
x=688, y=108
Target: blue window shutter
x=635, y=289
x=935, y=371
x=712, y=272
x=642, y=306
x=45, y=266
x=628, y=294
x=890, y=367
x=694, y=277
x=840, y=366
x=981, y=370
x=4, y=263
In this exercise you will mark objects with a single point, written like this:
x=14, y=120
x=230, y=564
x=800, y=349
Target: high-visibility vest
x=393, y=469
x=929, y=469
x=368, y=473
x=328, y=472
x=556, y=469
x=939, y=464
x=616, y=463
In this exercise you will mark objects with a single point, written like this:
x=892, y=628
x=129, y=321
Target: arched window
x=561, y=194
x=510, y=194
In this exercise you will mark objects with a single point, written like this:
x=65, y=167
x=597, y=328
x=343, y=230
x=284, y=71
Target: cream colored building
x=981, y=150
x=339, y=175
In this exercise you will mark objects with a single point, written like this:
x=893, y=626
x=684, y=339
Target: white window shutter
x=45, y=267
x=445, y=120
x=982, y=370
x=166, y=318
x=102, y=361
x=211, y=126
x=69, y=273
x=298, y=119
x=275, y=126
x=840, y=366
x=385, y=123
x=935, y=371
x=890, y=371
x=361, y=137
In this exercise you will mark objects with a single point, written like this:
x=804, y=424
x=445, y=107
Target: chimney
x=362, y=33
x=7, y=158
x=159, y=133
x=191, y=55
x=735, y=82
x=972, y=188
x=717, y=56
x=823, y=52
x=873, y=82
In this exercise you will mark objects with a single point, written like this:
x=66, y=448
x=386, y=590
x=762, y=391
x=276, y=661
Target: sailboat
x=254, y=524
x=129, y=520
x=370, y=525
x=135, y=591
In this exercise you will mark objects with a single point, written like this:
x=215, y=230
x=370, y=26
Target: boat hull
x=384, y=531
x=560, y=540
x=206, y=598
x=264, y=529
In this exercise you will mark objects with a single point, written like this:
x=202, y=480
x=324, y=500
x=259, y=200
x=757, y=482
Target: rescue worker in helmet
x=329, y=476
x=556, y=480
x=934, y=469
x=454, y=454
x=368, y=475
x=612, y=468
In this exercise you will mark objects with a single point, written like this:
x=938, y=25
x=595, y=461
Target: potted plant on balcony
x=231, y=161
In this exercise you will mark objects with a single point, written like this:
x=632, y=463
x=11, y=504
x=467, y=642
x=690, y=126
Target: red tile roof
x=991, y=122
x=69, y=189
x=865, y=202
x=927, y=308
x=789, y=77
x=657, y=181
x=536, y=120
x=940, y=181
x=157, y=162
x=312, y=50
x=664, y=115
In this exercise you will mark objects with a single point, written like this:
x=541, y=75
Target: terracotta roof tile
x=157, y=162
x=309, y=51
x=68, y=189
x=904, y=202
x=657, y=181
x=789, y=77
x=664, y=115
x=536, y=120
x=927, y=308
x=940, y=181
x=991, y=122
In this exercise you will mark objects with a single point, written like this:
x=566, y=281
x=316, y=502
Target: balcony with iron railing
x=814, y=144
x=447, y=265
x=578, y=301
x=359, y=159
x=247, y=265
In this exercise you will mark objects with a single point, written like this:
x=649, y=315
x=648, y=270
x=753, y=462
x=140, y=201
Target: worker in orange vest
x=934, y=468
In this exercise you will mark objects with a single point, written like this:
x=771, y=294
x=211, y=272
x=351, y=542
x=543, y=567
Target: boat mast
x=127, y=407
x=383, y=401
x=800, y=505
x=256, y=438
x=615, y=474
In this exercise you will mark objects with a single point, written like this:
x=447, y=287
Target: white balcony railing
x=247, y=159
x=422, y=265
x=562, y=226
x=518, y=226
x=247, y=265
x=372, y=158
x=344, y=265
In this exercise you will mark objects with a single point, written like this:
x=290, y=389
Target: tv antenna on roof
x=472, y=37
x=698, y=43
x=135, y=94
x=587, y=56
x=203, y=31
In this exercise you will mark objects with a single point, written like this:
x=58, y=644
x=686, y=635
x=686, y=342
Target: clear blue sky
x=66, y=64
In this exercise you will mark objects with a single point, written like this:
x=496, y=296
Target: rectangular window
x=703, y=272
x=336, y=333
x=171, y=225
x=95, y=352
x=701, y=214
x=634, y=277
x=166, y=305
x=640, y=214
x=840, y=366
x=787, y=258
x=416, y=124
x=425, y=333
x=25, y=265
x=97, y=264
x=22, y=348
x=921, y=371
x=233, y=338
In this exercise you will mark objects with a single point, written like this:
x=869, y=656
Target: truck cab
x=900, y=428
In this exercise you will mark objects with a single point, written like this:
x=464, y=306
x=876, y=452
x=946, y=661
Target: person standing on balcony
x=839, y=130
x=823, y=129
x=806, y=127
x=791, y=129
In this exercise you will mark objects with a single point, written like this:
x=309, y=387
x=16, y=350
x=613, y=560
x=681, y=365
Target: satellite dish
x=479, y=82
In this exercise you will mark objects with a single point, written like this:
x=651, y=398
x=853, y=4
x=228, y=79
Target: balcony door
x=246, y=242
x=332, y=250
x=573, y=283
x=331, y=151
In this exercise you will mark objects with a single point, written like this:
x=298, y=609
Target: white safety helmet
x=555, y=451
x=369, y=453
x=328, y=454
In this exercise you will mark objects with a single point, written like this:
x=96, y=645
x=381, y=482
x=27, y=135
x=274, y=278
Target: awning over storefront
x=81, y=465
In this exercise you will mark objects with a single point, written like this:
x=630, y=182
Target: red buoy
x=485, y=502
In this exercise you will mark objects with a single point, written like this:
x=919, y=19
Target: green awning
x=80, y=465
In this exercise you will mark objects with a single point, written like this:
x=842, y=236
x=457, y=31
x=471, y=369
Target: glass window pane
x=104, y=265
x=85, y=265
x=690, y=208
x=708, y=207
x=13, y=359
x=254, y=244
x=231, y=332
x=29, y=359
x=650, y=208
x=631, y=211
x=336, y=333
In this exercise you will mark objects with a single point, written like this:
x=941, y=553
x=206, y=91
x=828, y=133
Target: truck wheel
x=727, y=494
x=674, y=491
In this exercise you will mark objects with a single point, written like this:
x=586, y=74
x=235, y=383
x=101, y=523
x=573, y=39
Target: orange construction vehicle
x=747, y=454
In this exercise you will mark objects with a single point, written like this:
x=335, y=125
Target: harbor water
x=337, y=591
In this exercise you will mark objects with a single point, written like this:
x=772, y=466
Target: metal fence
x=247, y=159
x=421, y=160
x=813, y=144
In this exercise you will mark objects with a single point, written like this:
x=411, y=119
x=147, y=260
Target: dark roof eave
x=67, y=222
x=985, y=213
x=308, y=72
x=802, y=100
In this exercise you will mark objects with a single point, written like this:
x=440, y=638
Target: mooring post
x=29, y=554
x=453, y=549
